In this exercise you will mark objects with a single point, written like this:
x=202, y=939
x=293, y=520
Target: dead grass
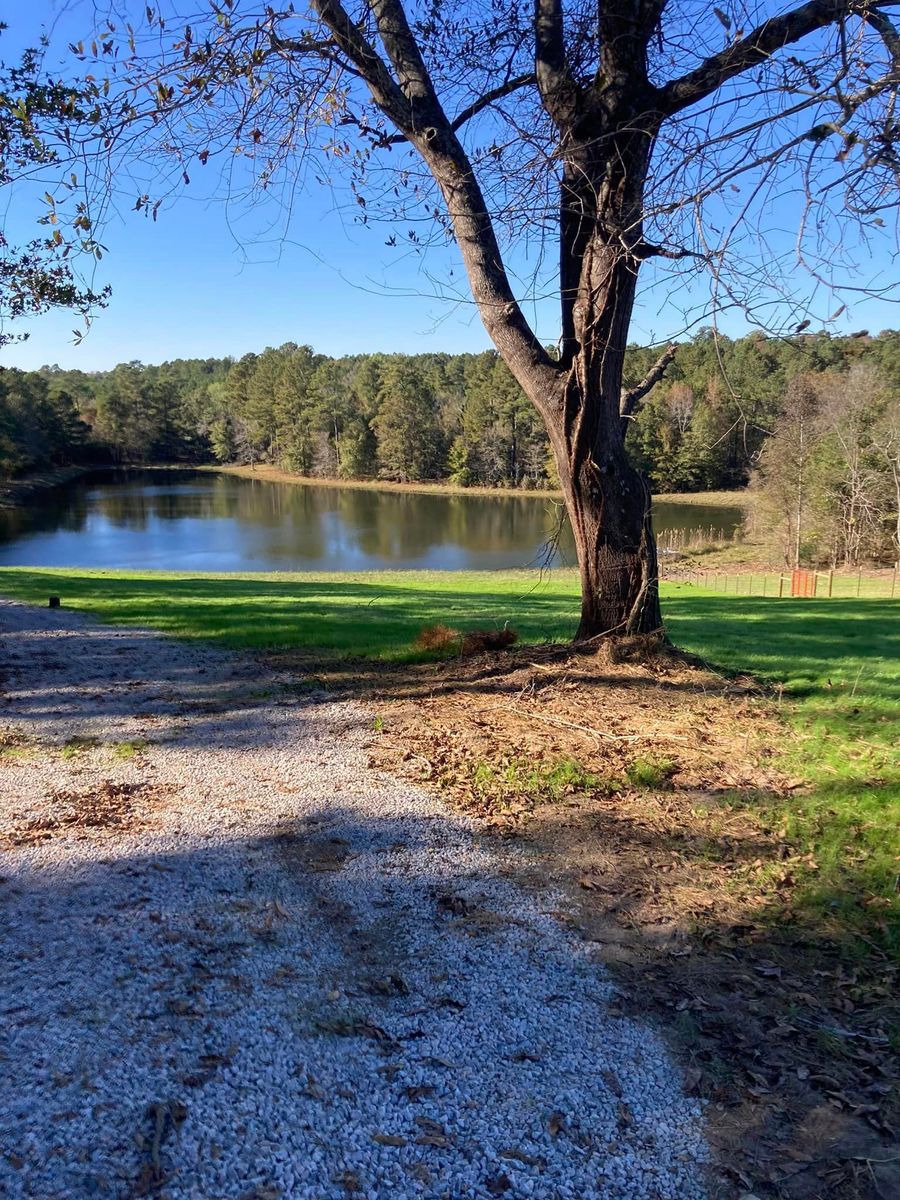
x=444, y=640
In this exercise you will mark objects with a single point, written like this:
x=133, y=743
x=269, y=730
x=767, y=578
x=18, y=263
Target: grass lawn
x=837, y=662
x=375, y=614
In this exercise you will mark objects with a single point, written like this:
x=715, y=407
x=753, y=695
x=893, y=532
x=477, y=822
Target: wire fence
x=842, y=585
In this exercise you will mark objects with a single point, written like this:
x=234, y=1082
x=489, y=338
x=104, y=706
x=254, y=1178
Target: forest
x=725, y=415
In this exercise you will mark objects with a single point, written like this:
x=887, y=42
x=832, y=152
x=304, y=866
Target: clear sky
x=204, y=282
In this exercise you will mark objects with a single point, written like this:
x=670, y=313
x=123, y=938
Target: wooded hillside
x=460, y=418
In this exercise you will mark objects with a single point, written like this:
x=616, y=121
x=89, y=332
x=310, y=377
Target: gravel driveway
x=239, y=963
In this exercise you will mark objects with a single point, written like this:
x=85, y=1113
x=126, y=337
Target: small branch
x=477, y=106
x=645, y=250
x=497, y=93
x=589, y=730
x=888, y=32
x=633, y=396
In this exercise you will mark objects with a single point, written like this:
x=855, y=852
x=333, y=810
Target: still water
x=199, y=521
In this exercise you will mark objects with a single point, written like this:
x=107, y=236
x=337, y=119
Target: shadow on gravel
x=791, y=1079
x=125, y=972
x=84, y=680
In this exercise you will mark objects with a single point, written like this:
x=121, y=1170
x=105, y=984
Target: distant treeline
x=459, y=418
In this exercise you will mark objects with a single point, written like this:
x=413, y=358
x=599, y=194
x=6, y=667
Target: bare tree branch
x=491, y=97
x=635, y=395
x=751, y=51
x=561, y=94
x=477, y=106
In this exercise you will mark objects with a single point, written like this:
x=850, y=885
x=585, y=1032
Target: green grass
x=837, y=665
x=524, y=781
x=374, y=614
x=650, y=772
x=837, y=661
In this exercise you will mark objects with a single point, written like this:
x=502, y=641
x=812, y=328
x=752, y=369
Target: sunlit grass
x=372, y=614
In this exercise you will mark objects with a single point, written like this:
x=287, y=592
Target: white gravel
x=283, y=959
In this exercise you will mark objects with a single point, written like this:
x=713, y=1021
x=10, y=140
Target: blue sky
x=182, y=287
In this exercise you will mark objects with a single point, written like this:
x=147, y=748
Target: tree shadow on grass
x=796, y=641
x=784, y=1018
x=380, y=616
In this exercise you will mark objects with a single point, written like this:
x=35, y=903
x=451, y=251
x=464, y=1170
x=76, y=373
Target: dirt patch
x=110, y=805
x=630, y=779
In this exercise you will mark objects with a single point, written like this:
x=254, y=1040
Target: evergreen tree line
x=458, y=418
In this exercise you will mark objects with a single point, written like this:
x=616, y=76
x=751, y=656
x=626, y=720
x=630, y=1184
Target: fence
x=843, y=585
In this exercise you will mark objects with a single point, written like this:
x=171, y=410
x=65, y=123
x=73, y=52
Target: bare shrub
x=438, y=637
x=481, y=641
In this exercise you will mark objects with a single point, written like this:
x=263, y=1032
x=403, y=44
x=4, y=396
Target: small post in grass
x=830, y=582
x=53, y=602
x=858, y=582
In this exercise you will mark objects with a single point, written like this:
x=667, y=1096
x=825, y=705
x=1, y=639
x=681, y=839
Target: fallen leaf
x=520, y=1156
x=389, y=1139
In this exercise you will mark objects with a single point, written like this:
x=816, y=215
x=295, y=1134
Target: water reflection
x=197, y=521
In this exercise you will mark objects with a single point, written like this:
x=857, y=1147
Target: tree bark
x=607, y=499
x=608, y=505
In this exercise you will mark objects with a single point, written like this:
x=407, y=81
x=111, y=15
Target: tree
x=853, y=476
x=827, y=474
x=36, y=115
x=629, y=131
x=886, y=441
x=406, y=426
x=786, y=466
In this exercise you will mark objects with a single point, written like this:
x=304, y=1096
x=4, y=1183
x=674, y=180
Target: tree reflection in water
x=183, y=520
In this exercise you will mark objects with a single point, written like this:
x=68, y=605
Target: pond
x=183, y=520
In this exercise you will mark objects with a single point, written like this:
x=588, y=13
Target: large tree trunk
x=611, y=523
x=608, y=500
x=608, y=504
x=601, y=249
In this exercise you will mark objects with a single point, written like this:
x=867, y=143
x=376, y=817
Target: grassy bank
x=266, y=472
x=835, y=663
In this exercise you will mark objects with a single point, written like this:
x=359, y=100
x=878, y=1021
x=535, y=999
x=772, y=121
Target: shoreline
x=14, y=493
x=270, y=474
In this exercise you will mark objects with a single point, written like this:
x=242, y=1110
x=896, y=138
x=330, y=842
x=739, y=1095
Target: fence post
x=780, y=585
x=830, y=582
x=858, y=582
x=894, y=580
